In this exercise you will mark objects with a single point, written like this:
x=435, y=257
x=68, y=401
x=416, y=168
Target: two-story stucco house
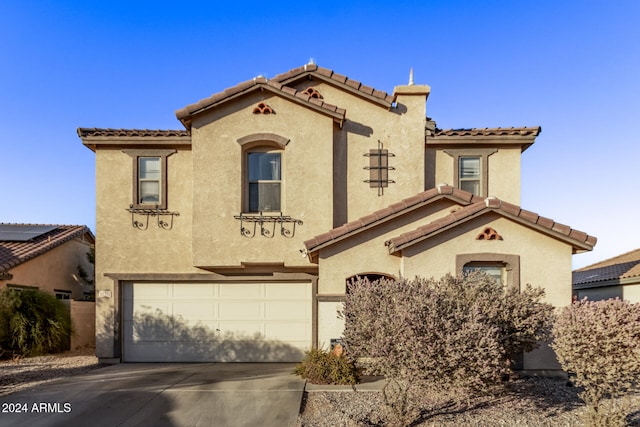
x=233, y=238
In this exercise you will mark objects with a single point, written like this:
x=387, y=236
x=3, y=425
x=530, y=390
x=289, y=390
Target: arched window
x=372, y=277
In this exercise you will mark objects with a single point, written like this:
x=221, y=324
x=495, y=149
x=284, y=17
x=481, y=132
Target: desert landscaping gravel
x=24, y=373
x=524, y=402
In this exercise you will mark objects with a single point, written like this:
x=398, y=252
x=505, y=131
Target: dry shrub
x=599, y=343
x=323, y=367
x=456, y=332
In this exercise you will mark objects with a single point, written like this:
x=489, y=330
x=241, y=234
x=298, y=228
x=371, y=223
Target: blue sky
x=570, y=67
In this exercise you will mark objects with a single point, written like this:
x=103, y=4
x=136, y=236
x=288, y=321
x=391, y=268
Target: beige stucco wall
x=306, y=174
x=55, y=269
x=400, y=129
x=121, y=248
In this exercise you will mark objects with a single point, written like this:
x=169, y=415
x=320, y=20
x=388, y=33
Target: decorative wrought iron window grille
x=146, y=213
x=379, y=168
x=249, y=224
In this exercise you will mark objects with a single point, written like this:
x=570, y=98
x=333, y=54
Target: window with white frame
x=470, y=175
x=264, y=181
x=149, y=181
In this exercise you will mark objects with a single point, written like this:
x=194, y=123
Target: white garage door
x=216, y=322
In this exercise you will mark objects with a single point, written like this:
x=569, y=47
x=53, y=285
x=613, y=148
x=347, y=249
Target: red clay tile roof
x=93, y=137
x=622, y=266
x=185, y=115
x=520, y=131
x=13, y=254
x=578, y=239
x=382, y=215
x=329, y=76
x=96, y=132
x=523, y=136
x=473, y=206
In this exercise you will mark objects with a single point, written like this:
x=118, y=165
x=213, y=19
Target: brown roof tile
x=13, y=253
x=512, y=131
x=578, y=239
x=185, y=114
x=623, y=266
x=94, y=132
x=330, y=76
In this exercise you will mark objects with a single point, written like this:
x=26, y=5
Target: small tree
x=32, y=323
x=456, y=332
x=599, y=342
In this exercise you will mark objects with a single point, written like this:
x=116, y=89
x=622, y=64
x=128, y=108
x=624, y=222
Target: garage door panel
x=286, y=310
x=241, y=310
x=195, y=309
x=195, y=291
x=241, y=291
x=287, y=332
x=153, y=290
x=285, y=291
x=209, y=322
x=237, y=331
x=152, y=307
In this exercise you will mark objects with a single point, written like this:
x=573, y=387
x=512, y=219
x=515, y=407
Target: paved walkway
x=163, y=395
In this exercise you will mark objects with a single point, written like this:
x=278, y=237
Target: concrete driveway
x=161, y=394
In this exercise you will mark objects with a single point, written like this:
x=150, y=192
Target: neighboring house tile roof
x=625, y=266
x=185, y=115
x=14, y=253
x=473, y=207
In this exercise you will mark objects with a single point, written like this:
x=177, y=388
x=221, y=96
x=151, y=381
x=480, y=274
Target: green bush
x=599, y=342
x=32, y=323
x=323, y=367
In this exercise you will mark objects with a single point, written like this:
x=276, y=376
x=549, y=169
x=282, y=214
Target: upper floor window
x=149, y=177
x=149, y=181
x=471, y=169
x=469, y=175
x=264, y=179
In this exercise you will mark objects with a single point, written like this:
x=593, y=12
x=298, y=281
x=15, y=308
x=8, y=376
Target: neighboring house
x=617, y=277
x=233, y=239
x=46, y=257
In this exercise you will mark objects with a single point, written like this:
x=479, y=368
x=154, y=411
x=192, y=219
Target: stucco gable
x=579, y=240
x=387, y=214
x=188, y=113
x=14, y=253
